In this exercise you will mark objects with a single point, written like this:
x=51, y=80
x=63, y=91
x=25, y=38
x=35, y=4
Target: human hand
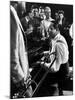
x=46, y=52
x=45, y=65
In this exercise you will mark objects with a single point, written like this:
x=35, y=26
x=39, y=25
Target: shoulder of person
x=61, y=38
x=43, y=21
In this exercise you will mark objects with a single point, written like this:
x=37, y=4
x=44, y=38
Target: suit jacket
x=19, y=60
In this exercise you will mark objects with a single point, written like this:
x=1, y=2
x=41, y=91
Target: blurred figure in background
x=19, y=60
x=20, y=7
x=42, y=13
x=71, y=31
x=25, y=21
x=35, y=23
x=46, y=23
x=36, y=12
x=56, y=17
x=71, y=45
x=61, y=17
x=61, y=22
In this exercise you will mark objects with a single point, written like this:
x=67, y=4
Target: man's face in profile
x=52, y=31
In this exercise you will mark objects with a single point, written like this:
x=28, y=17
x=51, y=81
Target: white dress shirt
x=60, y=47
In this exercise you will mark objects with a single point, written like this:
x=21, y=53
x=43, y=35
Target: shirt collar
x=56, y=37
x=50, y=19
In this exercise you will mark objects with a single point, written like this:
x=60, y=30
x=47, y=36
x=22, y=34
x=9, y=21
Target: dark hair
x=34, y=6
x=54, y=25
x=61, y=12
x=13, y=3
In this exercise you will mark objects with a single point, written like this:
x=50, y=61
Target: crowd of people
x=30, y=28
